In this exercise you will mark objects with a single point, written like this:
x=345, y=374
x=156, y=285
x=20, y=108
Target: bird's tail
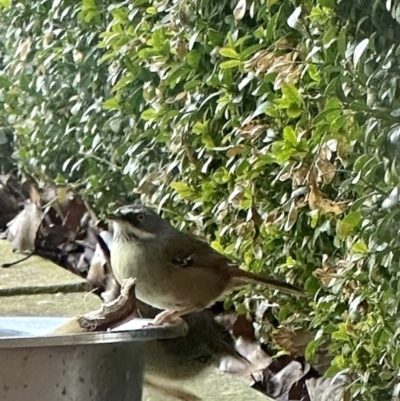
x=242, y=277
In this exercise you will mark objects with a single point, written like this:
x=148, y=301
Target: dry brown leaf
x=253, y=129
x=235, y=150
x=111, y=289
x=24, y=47
x=281, y=63
x=64, y=208
x=285, y=176
x=317, y=202
x=326, y=276
x=23, y=229
x=98, y=274
x=74, y=212
x=326, y=170
x=177, y=98
x=328, y=149
x=315, y=195
x=265, y=62
x=300, y=173
x=330, y=271
x=321, y=389
x=294, y=342
x=328, y=206
x=344, y=151
x=286, y=378
x=9, y=204
x=242, y=327
x=250, y=368
x=291, y=75
x=97, y=271
x=260, y=62
x=252, y=352
x=272, y=216
x=283, y=44
x=34, y=196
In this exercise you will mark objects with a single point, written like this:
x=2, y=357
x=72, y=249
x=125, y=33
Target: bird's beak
x=114, y=216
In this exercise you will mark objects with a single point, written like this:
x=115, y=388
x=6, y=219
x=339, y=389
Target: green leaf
x=158, y=38
x=148, y=114
x=349, y=224
x=313, y=72
x=193, y=58
x=111, y=104
x=182, y=188
x=333, y=370
x=360, y=247
x=341, y=334
x=342, y=42
x=228, y=52
x=311, y=348
x=396, y=359
x=290, y=137
x=327, y=115
x=208, y=141
x=291, y=94
x=4, y=82
x=272, y=111
x=249, y=51
x=384, y=229
x=333, y=103
x=217, y=246
x=200, y=128
x=230, y=64
x=151, y=10
x=192, y=84
x=293, y=111
x=327, y=3
x=148, y=52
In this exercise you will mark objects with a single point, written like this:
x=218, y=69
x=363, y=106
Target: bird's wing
x=190, y=250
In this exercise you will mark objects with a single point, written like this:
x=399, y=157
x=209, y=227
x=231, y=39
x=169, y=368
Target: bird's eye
x=140, y=216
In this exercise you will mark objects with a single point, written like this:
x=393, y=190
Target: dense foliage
x=270, y=125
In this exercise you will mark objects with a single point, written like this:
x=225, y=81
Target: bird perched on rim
x=176, y=272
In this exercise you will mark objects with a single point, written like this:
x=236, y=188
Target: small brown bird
x=176, y=272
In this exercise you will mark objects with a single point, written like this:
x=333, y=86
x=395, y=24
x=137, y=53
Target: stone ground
x=38, y=287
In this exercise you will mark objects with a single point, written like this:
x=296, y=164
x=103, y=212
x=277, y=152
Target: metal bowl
x=104, y=366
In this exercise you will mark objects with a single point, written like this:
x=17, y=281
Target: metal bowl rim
x=94, y=338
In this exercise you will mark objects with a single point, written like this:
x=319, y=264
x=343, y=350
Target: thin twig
x=17, y=261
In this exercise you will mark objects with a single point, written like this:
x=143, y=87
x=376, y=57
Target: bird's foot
x=167, y=317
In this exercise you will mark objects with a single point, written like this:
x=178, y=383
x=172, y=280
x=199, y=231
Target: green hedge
x=271, y=128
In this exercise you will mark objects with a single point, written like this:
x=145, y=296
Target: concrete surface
x=35, y=275
x=51, y=305
x=208, y=385
x=38, y=287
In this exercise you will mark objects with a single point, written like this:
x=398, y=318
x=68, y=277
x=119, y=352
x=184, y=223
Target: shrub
x=272, y=128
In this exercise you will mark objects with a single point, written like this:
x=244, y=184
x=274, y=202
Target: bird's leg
x=168, y=316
